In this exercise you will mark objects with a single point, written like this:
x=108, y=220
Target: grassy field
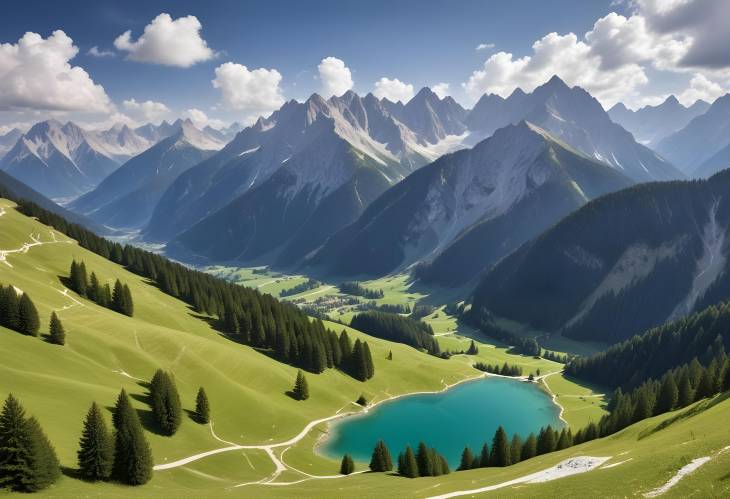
x=106, y=351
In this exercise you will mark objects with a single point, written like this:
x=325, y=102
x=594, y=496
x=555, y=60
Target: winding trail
x=683, y=472
x=569, y=467
x=27, y=246
x=553, y=395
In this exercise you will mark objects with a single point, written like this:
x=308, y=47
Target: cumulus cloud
x=35, y=74
x=147, y=111
x=700, y=88
x=702, y=23
x=485, y=46
x=613, y=58
x=201, y=120
x=95, y=52
x=394, y=90
x=335, y=76
x=167, y=41
x=254, y=93
x=440, y=89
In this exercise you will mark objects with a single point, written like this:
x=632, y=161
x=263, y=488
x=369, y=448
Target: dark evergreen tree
x=501, y=452
x=546, y=441
x=77, y=278
x=381, y=459
x=467, y=460
x=484, y=456
x=132, y=454
x=516, y=449
x=118, y=297
x=529, y=448
x=301, y=387
x=407, y=464
x=9, y=303
x=127, y=302
x=165, y=401
x=28, y=462
x=424, y=460
x=28, y=321
x=705, y=387
x=202, y=407
x=473, y=349
x=369, y=365
x=565, y=439
x=668, y=395
x=685, y=392
x=96, y=450
x=347, y=466
x=57, y=334
x=94, y=289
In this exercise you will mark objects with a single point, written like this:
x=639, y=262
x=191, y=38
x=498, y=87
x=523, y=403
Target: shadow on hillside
x=193, y=416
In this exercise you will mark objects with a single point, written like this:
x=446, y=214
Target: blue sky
x=419, y=43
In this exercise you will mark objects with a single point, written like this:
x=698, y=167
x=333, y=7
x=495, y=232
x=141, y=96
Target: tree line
x=629, y=363
x=243, y=314
x=484, y=321
x=356, y=289
x=300, y=288
x=19, y=313
x=505, y=370
x=397, y=328
x=119, y=299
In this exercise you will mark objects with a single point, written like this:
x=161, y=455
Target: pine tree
x=423, y=458
x=57, y=334
x=202, y=407
x=407, y=464
x=516, y=449
x=565, y=440
x=94, y=288
x=347, y=466
x=529, y=448
x=77, y=278
x=369, y=365
x=105, y=296
x=118, y=297
x=43, y=463
x=467, y=460
x=9, y=303
x=705, y=385
x=128, y=303
x=390, y=355
x=301, y=388
x=96, y=451
x=686, y=394
x=668, y=395
x=484, y=456
x=381, y=459
x=473, y=349
x=132, y=455
x=501, y=452
x=166, y=406
x=546, y=441
x=643, y=408
x=28, y=321
x=28, y=462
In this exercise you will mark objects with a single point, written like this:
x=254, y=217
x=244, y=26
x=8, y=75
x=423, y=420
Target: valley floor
x=262, y=442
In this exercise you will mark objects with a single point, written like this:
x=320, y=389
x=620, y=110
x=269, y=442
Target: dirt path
x=27, y=246
x=683, y=472
x=569, y=467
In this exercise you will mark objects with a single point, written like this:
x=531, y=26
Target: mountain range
x=127, y=197
x=651, y=124
x=695, y=147
x=479, y=204
x=287, y=183
x=623, y=263
x=283, y=187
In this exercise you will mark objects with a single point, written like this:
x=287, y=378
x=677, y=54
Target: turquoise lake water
x=467, y=414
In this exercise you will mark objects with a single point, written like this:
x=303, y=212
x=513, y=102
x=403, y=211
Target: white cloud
x=254, y=93
x=440, y=89
x=35, y=74
x=147, y=111
x=563, y=55
x=23, y=126
x=336, y=77
x=167, y=41
x=95, y=52
x=201, y=120
x=700, y=88
x=394, y=90
x=485, y=46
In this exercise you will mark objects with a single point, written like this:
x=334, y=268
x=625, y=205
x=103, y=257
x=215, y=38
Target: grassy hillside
x=106, y=351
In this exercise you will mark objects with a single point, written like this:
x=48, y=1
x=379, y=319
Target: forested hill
x=244, y=314
x=625, y=262
x=704, y=335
